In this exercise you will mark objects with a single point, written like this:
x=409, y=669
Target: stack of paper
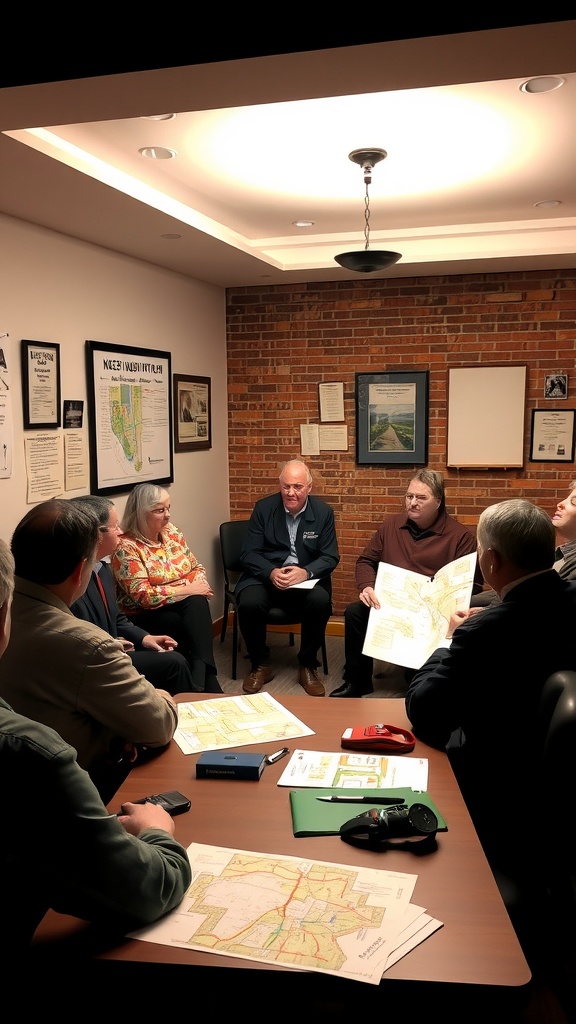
x=309, y=915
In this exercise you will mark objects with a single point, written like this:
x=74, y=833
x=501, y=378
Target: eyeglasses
x=110, y=529
x=293, y=487
x=160, y=511
x=420, y=498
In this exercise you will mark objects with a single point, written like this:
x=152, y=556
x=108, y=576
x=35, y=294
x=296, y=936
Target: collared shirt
x=292, y=527
x=425, y=551
x=565, y=563
x=510, y=586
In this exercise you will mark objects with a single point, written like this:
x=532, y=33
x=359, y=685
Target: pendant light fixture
x=367, y=260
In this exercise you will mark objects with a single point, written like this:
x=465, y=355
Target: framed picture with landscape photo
x=392, y=417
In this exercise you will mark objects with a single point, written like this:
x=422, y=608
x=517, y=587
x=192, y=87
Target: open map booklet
x=415, y=611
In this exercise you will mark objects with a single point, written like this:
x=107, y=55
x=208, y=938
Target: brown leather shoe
x=308, y=679
x=256, y=679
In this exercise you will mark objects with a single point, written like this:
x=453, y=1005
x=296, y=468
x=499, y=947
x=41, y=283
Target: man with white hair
x=480, y=697
x=291, y=539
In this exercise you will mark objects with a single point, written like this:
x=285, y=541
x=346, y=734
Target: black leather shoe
x=348, y=690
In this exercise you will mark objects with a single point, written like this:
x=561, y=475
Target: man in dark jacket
x=289, y=555
x=98, y=604
x=480, y=697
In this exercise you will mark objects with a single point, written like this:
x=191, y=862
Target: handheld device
x=385, y=739
x=173, y=801
x=380, y=826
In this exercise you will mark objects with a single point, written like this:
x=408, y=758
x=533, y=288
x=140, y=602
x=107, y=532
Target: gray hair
x=141, y=501
x=6, y=573
x=100, y=506
x=520, y=532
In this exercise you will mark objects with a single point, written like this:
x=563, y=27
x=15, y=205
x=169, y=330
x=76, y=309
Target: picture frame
x=392, y=417
x=41, y=385
x=552, y=435
x=129, y=416
x=192, y=405
x=556, y=386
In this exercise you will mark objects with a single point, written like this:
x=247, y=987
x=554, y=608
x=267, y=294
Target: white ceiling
x=263, y=142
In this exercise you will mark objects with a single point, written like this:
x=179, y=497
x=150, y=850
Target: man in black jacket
x=98, y=604
x=480, y=697
x=291, y=540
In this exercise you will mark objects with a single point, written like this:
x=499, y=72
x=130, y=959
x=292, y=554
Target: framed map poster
x=129, y=416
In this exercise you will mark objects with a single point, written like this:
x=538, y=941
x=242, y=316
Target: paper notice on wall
x=309, y=444
x=76, y=460
x=44, y=466
x=333, y=439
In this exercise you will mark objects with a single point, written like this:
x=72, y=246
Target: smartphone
x=173, y=801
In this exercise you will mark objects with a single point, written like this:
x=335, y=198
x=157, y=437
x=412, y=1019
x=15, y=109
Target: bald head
x=295, y=485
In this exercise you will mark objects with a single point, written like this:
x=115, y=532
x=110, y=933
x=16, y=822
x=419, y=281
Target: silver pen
x=276, y=757
x=361, y=799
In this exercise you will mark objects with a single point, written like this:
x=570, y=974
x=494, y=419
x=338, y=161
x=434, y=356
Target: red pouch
x=384, y=739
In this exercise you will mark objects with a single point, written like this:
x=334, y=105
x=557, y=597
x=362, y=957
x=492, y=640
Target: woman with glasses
x=161, y=585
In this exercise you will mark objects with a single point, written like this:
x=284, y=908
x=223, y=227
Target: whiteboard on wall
x=486, y=417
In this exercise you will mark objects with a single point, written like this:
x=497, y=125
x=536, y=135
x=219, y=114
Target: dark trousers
x=166, y=670
x=311, y=608
x=189, y=623
x=358, y=668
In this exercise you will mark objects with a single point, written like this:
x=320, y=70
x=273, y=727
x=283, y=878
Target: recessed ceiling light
x=303, y=223
x=157, y=153
x=170, y=235
x=547, y=204
x=158, y=117
x=543, y=84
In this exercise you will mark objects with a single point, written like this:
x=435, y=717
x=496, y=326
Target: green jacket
x=60, y=848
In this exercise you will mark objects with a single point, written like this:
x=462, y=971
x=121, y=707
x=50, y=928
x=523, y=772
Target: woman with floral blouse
x=161, y=584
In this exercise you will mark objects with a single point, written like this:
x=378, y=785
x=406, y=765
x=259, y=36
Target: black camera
x=391, y=826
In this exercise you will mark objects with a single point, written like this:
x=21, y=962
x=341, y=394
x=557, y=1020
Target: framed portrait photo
x=392, y=417
x=192, y=413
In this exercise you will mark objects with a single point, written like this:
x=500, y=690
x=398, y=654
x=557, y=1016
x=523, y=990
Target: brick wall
x=283, y=340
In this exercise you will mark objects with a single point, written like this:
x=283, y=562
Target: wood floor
x=388, y=680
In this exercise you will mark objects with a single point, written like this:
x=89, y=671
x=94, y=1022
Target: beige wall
x=54, y=288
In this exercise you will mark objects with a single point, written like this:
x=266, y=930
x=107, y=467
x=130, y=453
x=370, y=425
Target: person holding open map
x=422, y=538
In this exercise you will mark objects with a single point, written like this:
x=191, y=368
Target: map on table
x=295, y=912
x=235, y=722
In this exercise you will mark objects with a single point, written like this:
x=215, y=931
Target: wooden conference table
x=475, y=956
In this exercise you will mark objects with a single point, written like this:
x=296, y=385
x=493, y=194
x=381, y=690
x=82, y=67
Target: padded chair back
x=232, y=536
x=558, y=736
